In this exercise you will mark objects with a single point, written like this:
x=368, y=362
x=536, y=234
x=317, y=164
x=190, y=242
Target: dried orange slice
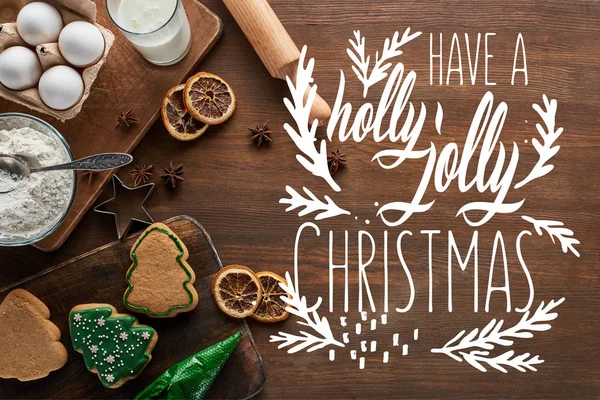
x=236, y=290
x=178, y=121
x=271, y=307
x=209, y=98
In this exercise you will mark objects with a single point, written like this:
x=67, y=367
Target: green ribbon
x=192, y=377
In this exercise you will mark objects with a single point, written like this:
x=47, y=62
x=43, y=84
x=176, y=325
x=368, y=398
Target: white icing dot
x=367, y=222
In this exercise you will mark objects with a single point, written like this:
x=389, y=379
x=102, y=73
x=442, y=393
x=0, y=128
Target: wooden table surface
x=233, y=189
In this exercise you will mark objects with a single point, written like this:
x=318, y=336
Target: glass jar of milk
x=159, y=29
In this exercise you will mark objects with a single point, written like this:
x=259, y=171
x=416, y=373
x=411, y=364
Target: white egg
x=61, y=87
x=39, y=23
x=20, y=68
x=81, y=44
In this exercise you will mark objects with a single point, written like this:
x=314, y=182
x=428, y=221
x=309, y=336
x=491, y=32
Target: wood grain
x=93, y=277
x=125, y=82
x=233, y=189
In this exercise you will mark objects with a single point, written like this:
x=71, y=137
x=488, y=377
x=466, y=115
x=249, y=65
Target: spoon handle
x=96, y=162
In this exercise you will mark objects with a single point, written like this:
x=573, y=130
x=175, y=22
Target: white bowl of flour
x=41, y=202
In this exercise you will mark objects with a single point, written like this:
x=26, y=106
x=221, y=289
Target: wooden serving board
x=126, y=81
x=99, y=277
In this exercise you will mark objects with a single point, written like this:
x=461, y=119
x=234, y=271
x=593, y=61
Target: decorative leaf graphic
x=555, y=230
x=328, y=209
x=313, y=160
x=475, y=346
x=309, y=318
x=391, y=49
x=547, y=150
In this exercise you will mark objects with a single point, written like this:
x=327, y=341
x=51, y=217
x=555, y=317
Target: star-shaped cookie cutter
x=99, y=207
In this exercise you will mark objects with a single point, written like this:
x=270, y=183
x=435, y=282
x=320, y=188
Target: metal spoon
x=16, y=168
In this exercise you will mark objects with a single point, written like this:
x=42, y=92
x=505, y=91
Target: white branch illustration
x=547, y=150
x=328, y=209
x=315, y=161
x=520, y=363
x=296, y=305
x=475, y=346
x=556, y=231
x=391, y=49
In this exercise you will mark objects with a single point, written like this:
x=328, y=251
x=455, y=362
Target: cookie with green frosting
x=160, y=281
x=113, y=345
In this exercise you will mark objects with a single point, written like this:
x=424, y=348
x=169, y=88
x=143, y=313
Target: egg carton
x=49, y=55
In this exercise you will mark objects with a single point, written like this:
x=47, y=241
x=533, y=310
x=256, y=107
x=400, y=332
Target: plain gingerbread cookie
x=30, y=346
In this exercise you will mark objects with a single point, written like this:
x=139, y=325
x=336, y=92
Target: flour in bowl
x=37, y=204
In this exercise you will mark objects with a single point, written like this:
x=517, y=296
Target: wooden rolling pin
x=273, y=45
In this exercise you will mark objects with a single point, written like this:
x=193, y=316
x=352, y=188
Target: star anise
x=141, y=174
x=126, y=118
x=334, y=161
x=173, y=174
x=261, y=134
x=89, y=175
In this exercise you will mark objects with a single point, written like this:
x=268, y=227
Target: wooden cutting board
x=125, y=82
x=99, y=277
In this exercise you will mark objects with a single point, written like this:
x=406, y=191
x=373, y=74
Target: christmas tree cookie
x=30, y=346
x=161, y=282
x=113, y=345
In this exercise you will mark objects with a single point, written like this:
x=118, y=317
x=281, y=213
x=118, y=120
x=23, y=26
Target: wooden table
x=233, y=189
